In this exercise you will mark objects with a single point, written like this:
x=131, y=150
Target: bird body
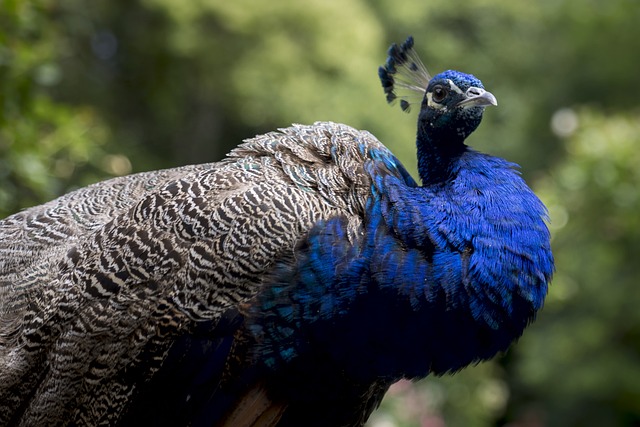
x=289, y=284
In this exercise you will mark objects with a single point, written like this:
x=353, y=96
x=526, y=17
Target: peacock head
x=452, y=103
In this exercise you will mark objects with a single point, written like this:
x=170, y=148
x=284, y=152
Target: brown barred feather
x=99, y=280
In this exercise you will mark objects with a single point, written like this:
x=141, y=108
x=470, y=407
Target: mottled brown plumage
x=95, y=285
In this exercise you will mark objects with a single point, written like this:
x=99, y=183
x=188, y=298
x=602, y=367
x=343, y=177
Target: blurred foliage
x=581, y=364
x=92, y=89
x=46, y=147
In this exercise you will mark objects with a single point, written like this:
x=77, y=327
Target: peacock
x=289, y=284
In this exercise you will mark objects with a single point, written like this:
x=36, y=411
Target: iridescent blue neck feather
x=444, y=276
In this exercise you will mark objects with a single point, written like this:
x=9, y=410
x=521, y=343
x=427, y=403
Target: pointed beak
x=477, y=97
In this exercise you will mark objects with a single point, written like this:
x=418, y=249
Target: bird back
x=103, y=279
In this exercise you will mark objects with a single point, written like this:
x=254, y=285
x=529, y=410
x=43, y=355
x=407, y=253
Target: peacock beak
x=477, y=97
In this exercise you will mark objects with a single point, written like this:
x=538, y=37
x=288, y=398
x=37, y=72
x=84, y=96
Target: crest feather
x=404, y=76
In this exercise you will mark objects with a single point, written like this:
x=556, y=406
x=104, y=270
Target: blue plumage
x=475, y=252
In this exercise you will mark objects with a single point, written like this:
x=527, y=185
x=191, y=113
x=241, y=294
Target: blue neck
x=437, y=151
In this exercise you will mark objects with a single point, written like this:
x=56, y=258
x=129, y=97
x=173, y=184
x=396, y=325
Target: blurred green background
x=94, y=89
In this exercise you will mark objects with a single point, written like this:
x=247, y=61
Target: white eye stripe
x=454, y=87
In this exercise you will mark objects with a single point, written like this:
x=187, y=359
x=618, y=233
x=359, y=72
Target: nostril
x=474, y=91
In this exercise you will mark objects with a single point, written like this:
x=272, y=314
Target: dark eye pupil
x=439, y=93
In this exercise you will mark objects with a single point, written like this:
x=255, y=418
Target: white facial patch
x=454, y=87
x=431, y=103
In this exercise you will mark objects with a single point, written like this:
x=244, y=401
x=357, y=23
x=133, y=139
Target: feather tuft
x=404, y=76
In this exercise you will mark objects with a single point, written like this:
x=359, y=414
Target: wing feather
x=92, y=281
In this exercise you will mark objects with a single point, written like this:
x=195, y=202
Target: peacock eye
x=439, y=93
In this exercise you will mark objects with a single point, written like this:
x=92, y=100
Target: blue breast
x=441, y=277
